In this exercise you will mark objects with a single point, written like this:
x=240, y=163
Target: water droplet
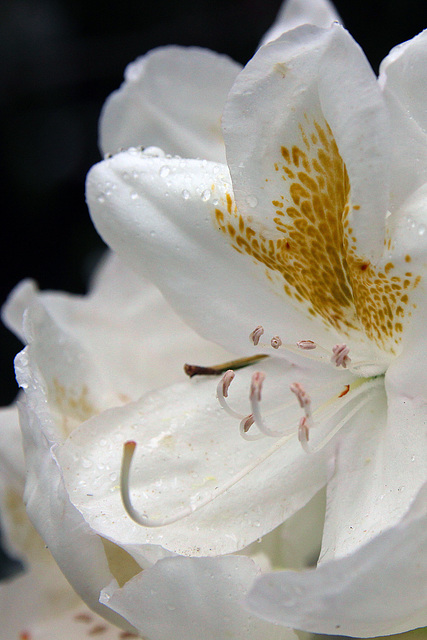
x=171, y=607
x=421, y=229
x=154, y=152
x=152, y=234
x=133, y=151
x=101, y=199
x=251, y=201
x=134, y=195
x=125, y=175
x=102, y=442
x=206, y=195
x=164, y=171
x=86, y=464
x=113, y=476
x=215, y=202
x=413, y=458
x=185, y=194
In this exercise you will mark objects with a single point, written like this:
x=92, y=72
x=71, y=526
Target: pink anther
x=248, y=422
x=256, y=334
x=303, y=430
x=340, y=357
x=226, y=380
x=306, y=344
x=256, y=385
x=276, y=342
x=301, y=394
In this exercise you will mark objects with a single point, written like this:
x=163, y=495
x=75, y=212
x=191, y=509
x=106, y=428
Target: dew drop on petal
x=206, y=195
x=251, y=201
x=134, y=195
x=154, y=152
x=421, y=229
x=164, y=171
x=185, y=194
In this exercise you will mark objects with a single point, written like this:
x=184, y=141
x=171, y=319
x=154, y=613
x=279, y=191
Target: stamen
x=226, y=380
x=145, y=521
x=222, y=393
x=256, y=385
x=255, y=398
x=303, y=434
x=244, y=427
x=276, y=342
x=306, y=422
x=306, y=345
x=301, y=394
x=256, y=334
x=340, y=357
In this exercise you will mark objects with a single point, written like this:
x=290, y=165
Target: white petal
x=294, y=13
x=78, y=552
x=110, y=346
x=379, y=589
x=403, y=78
x=162, y=217
x=380, y=466
x=182, y=597
x=188, y=447
x=171, y=98
x=309, y=75
x=19, y=299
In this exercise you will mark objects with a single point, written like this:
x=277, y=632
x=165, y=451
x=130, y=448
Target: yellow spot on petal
x=313, y=249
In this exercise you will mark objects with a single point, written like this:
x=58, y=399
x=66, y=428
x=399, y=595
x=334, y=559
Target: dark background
x=59, y=61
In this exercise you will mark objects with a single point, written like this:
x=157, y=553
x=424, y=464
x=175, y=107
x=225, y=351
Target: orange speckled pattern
x=314, y=250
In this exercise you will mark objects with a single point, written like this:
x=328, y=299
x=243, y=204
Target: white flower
x=313, y=235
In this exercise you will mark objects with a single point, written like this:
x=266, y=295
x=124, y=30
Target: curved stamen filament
x=222, y=394
x=145, y=521
x=244, y=427
x=255, y=399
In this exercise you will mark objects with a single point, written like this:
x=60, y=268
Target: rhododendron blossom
x=310, y=242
